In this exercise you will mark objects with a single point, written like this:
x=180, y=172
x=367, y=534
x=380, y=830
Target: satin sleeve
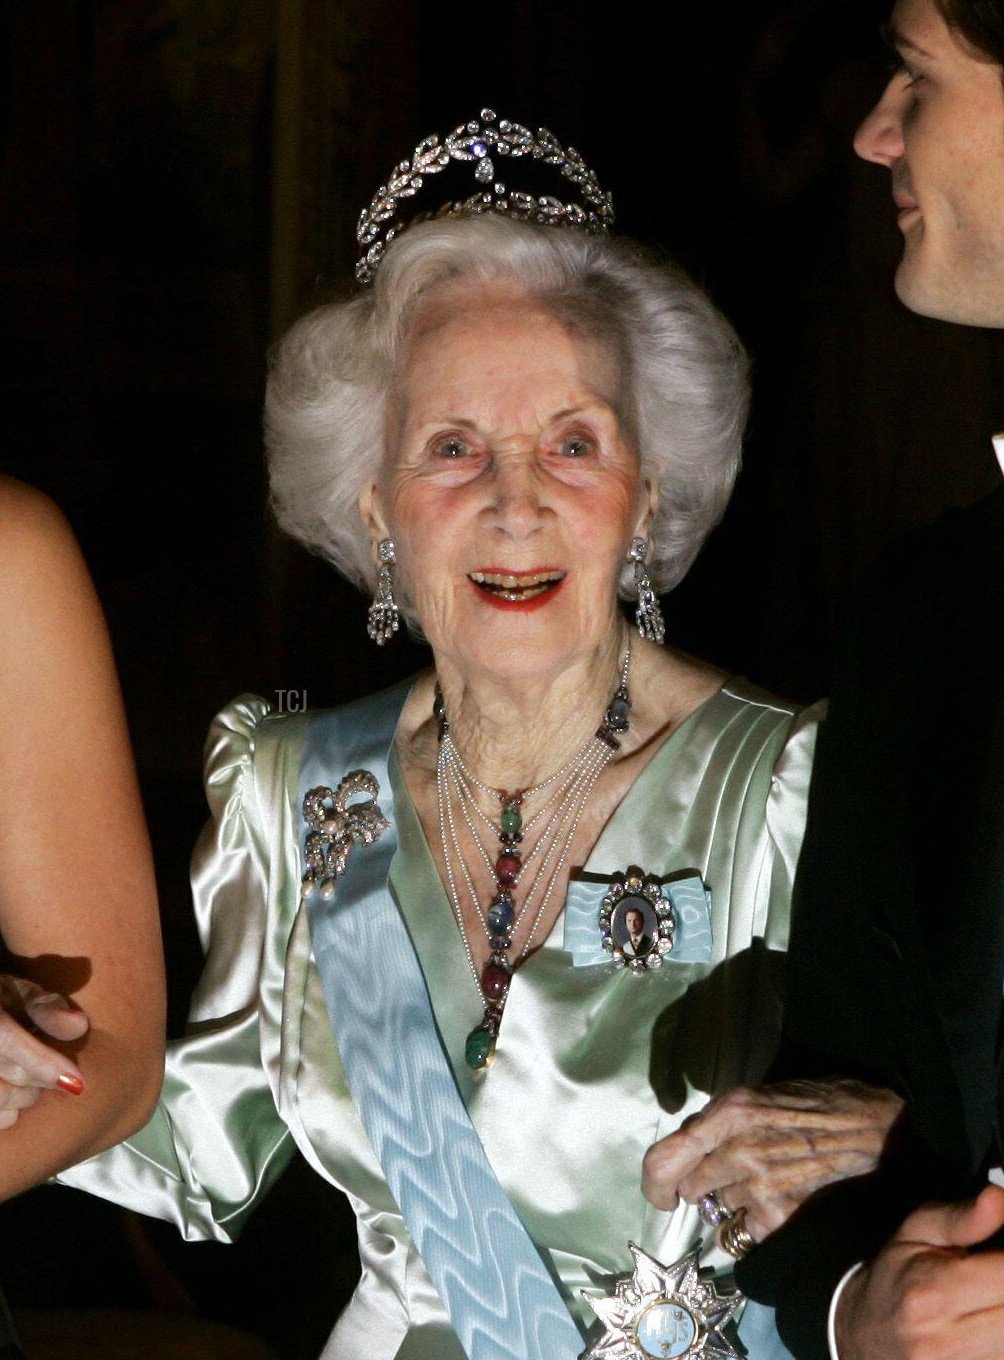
x=785, y=818
x=216, y=1142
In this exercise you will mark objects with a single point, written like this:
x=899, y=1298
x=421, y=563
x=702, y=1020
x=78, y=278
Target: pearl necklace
x=537, y=867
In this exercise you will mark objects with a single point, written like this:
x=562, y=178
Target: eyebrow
x=463, y=423
x=896, y=41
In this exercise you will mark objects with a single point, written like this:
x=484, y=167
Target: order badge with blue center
x=665, y=1313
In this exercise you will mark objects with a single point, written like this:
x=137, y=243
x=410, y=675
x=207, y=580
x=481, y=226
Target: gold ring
x=734, y=1237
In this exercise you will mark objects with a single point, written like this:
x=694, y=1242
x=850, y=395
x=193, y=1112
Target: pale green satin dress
x=593, y=1063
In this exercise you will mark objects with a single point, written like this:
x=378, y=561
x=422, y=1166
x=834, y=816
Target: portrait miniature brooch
x=637, y=921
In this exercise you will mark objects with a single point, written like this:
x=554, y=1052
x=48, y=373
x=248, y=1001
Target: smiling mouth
x=516, y=587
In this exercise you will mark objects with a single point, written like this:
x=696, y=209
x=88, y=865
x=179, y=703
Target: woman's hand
x=28, y=1066
x=767, y=1149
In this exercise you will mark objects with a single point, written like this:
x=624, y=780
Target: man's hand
x=927, y=1296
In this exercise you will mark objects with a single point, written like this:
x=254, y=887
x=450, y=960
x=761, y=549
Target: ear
x=649, y=504
x=371, y=509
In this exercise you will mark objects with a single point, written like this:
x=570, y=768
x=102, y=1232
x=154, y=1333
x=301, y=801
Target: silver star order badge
x=664, y=1313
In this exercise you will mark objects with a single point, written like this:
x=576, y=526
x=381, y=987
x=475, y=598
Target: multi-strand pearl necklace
x=536, y=868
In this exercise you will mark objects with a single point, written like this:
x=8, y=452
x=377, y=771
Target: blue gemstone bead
x=500, y=916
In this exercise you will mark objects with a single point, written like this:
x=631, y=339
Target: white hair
x=683, y=378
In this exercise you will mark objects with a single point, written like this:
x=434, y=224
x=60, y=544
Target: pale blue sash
x=501, y=1299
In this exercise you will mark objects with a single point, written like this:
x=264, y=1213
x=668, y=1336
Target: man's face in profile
x=939, y=129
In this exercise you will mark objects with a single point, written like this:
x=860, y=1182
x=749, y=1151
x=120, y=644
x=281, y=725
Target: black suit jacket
x=897, y=956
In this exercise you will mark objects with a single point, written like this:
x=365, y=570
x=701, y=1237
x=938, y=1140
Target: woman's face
x=508, y=485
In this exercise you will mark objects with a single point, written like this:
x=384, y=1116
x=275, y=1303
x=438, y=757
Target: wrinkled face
x=939, y=128
x=509, y=485
x=634, y=921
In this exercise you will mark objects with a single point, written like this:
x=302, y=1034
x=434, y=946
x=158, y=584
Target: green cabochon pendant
x=480, y=1048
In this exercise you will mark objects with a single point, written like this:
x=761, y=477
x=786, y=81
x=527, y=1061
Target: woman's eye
x=452, y=446
x=575, y=446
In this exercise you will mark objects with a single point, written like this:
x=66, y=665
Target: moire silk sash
x=502, y=1301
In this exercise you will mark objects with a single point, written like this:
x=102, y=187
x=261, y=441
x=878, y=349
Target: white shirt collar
x=998, y=443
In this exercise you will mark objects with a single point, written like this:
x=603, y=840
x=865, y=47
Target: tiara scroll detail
x=483, y=143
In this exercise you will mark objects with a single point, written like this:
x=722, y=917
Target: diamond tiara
x=483, y=143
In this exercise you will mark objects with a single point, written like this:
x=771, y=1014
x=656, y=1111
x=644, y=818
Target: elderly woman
x=416, y=909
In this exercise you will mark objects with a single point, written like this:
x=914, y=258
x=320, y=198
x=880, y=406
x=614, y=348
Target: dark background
x=180, y=178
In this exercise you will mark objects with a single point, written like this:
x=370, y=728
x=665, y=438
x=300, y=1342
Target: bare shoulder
x=51, y=624
x=26, y=513
x=37, y=546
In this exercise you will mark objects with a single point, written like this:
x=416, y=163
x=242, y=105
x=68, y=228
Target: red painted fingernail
x=71, y=1083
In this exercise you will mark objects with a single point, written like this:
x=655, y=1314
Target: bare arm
x=78, y=910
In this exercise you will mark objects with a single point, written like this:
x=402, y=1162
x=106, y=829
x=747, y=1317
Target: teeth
x=512, y=587
x=504, y=580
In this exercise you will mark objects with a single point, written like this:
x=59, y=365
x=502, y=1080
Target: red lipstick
x=521, y=591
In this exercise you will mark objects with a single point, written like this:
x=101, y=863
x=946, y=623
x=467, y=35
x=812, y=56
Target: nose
x=880, y=136
x=517, y=507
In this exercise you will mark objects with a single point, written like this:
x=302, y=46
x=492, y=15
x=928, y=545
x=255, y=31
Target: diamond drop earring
x=384, y=616
x=648, y=616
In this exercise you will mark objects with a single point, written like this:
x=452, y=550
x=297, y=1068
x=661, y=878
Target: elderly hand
x=28, y=1066
x=926, y=1296
x=770, y=1147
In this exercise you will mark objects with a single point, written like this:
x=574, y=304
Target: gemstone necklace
x=534, y=869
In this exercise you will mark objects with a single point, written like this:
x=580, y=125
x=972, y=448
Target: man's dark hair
x=981, y=23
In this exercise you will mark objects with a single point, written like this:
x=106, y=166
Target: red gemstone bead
x=507, y=869
x=494, y=981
